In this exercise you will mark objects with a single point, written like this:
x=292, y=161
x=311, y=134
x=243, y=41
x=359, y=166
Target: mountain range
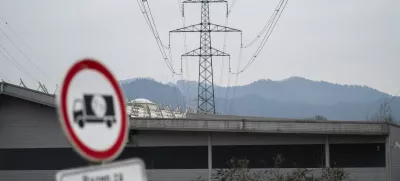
x=294, y=97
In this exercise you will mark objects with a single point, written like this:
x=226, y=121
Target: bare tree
x=384, y=113
x=318, y=118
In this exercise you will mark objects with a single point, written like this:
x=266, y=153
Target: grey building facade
x=33, y=147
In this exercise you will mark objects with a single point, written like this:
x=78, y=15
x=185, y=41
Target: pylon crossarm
x=197, y=52
x=215, y=52
x=205, y=100
x=191, y=28
x=198, y=28
x=220, y=28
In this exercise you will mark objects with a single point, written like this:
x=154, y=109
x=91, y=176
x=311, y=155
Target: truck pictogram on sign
x=94, y=109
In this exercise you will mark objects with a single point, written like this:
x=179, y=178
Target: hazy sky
x=346, y=42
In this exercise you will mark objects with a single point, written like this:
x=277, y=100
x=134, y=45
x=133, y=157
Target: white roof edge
x=277, y=126
x=27, y=94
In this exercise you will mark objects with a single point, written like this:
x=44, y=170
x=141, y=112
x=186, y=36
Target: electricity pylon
x=205, y=97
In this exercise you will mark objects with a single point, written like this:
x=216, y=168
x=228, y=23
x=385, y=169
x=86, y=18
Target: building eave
x=257, y=126
x=27, y=94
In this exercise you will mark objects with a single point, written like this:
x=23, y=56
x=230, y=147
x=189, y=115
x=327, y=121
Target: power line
x=155, y=27
x=229, y=64
x=187, y=89
x=268, y=24
x=18, y=66
x=227, y=92
x=23, y=42
x=5, y=77
x=274, y=19
x=236, y=80
x=234, y=93
x=159, y=42
x=160, y=45
x=40, y=70
x=223, y=49
x=230, y=8
x=263, y=42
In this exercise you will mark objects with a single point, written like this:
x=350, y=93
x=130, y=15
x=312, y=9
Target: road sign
x=128, y=170
x=92, y=111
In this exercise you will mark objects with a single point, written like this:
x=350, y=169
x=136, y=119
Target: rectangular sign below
x=127, y=170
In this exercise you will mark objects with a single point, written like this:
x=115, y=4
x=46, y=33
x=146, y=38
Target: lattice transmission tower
x=205, y=97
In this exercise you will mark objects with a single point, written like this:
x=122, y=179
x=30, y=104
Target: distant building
x=143, y=108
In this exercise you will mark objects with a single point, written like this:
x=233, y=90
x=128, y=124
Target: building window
x=261, y=156
x=187, y=157
x=357, y=155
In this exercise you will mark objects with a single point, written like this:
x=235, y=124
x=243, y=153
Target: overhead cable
x=40, y=70
x=155, y=27
x=17, y=64
x=22, y=40
x=234, y=93
x=188, y=89
x=155, y=33
x=231, y=7
x=5, y=77
x=267, y=25
x=151, y=23
x=227, y=93
x=236, y=79
x=19, y=49
x=264, y=40
x=224, y=49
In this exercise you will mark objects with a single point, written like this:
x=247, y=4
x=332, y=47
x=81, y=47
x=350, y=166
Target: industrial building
x=33, y=146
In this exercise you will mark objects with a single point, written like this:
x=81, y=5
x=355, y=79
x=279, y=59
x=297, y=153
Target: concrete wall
x=25, y=124
x=356, y=174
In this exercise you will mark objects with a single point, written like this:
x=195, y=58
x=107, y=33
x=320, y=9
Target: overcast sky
x=341, y=41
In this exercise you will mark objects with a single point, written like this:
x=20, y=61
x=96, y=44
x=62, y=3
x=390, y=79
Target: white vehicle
x=147, y=109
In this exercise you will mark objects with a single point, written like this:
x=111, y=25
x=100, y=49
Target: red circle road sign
x=90, y=95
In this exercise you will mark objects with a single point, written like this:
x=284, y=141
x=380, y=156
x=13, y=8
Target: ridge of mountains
x=294, y=97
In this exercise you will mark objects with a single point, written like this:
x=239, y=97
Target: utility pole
x=205, y=98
